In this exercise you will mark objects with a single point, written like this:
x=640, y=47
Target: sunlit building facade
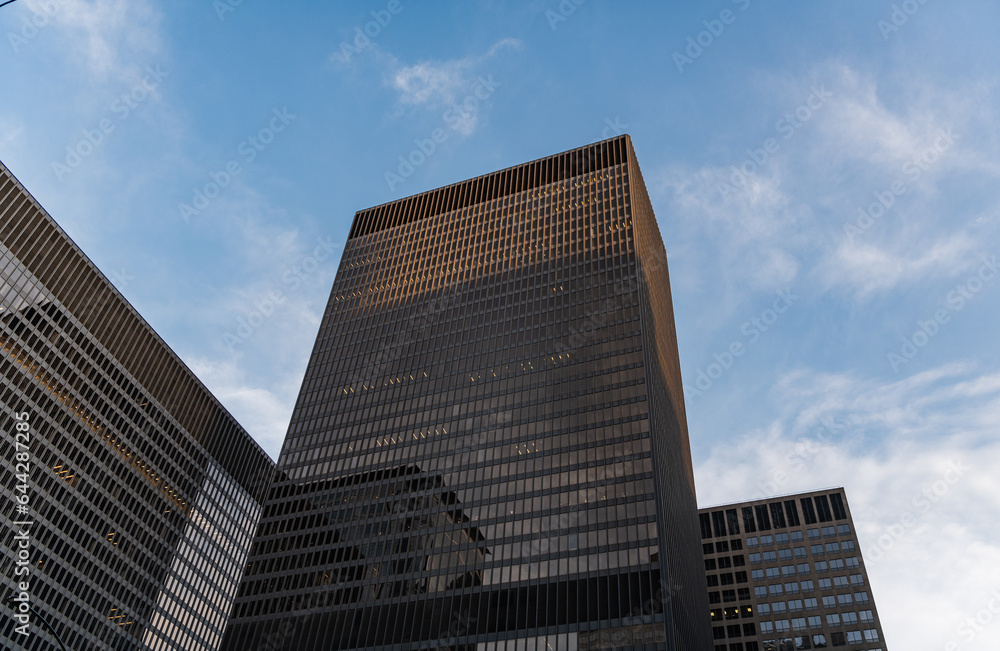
x=133, y=501
x=489, y=450
x=786, y=574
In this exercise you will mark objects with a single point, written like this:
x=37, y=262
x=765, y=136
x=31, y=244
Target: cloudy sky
x=826, y=180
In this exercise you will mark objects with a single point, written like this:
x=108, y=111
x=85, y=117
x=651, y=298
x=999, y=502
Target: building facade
x=787, y=573
x=132, y=495
x=489, y=450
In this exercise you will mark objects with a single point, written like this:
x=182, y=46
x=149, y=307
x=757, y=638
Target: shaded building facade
x=489, y=449
x=786, y=573
x=131, y=508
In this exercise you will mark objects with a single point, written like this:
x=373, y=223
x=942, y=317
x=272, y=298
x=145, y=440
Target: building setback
x=786, y=573
x=489, y=450
x=141, y=492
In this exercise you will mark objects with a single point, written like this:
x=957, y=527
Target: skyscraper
x=489, y=449
x=786, y=573
x=130, y=494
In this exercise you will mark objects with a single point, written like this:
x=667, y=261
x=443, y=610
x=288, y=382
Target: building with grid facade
x=132, y=496
x=489, y=450
x=786, y=574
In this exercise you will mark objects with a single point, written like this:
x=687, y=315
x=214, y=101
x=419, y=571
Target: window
x=837, y=564
x=739, y=560
x=844, y=529
x=866, y=616
x=796, y=536
x=837, y=638
x=751, y=542
x=844, y=599
x=871, y=635
x=803, y=568
x=751, y=629
x=821, y=566
x=774, y=590
x=817, y=550
x=833, y=619
x=733, y=630
x=825, y=584
x=795, y=605
x=829, y=531
x=849, y=618
x=757, y=575
x=722, y=546
x=815, y=622
x=764, y=609
x=732, y=613
x=847, y=546
x=713, y=580
x=812, y=533
x=799, y=624
x=829, y=601
x=737, y=545
x=770, y=557
x=760, y=592
x=729, y=596
x=755, y=558
x=719, y=632
x=861, y=597
x=787, y=570
x=782, y=626
x=840, y=581
x=766, y=627
x=709, y=564
x=785, y=554
x=800, y=552
x=811, y=603
x=832, y=548
x=804, y=642
x=741, y=577
x=707, y=548
x=748, y=522
x=781, y=538
x=773, y=572
x=807, y=586
x=727, y=578
x=854, y=637
x=853, y=562
x=714, y=598
x=779, y=607
x=767, y=540
x=791, y=588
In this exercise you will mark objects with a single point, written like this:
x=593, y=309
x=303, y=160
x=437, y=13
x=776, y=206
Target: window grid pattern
x=117, y=480
x=803, y=584
x=471, y=457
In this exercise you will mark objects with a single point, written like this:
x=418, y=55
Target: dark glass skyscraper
x=489, y=450
x=130, y=494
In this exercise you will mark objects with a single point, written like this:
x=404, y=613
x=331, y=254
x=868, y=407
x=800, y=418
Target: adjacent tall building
x=489, y=450
x=130, y=494
x=786, y=574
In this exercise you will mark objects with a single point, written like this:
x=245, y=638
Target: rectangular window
x=777, y=515
x=808, y=512
x=763, y=521
x=823, y=508
x=732, y=522
x=791, y=513
x=748, y=521
x=839, y=512
x=719, y=524
x=706, y=525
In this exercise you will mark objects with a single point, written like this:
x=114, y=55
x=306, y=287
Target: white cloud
x=112, y=39
x=917, y=458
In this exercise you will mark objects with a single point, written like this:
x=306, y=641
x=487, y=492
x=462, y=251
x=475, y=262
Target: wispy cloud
x=918, y=453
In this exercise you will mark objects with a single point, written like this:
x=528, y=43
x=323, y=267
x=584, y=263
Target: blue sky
x=824, y=175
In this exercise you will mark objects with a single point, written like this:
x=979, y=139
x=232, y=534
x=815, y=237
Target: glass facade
x=140, y=493
x=786, y=574
x=489, y=448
